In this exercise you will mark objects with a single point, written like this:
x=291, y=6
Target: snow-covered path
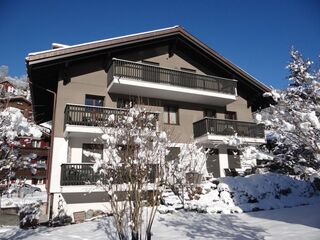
x=290, y=223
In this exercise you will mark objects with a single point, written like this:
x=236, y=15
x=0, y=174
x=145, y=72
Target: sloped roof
x=15, y=98
x=6, y=81
x=68, y=51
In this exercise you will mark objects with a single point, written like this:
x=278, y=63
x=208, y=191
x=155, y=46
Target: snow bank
x=15, y=201
x=270, y=191
x=294, y=223
x=246, y=194
x=15, y=124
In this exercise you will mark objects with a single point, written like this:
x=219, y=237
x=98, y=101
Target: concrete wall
x=70, y=207
x=59, y=156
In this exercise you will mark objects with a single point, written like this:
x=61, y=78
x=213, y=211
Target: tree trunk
x=134, y=235
x=122, y=236
x=148, y=233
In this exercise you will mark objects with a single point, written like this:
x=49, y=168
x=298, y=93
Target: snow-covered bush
x=269, y=191
x=12, y=125
x=62, y=218
x=29, y=215
x=246, y=194
x=134, y=164
x=293, y=127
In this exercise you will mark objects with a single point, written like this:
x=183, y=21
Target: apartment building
x=198, y=94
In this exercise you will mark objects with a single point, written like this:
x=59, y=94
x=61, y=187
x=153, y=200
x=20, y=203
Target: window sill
x=171, y=124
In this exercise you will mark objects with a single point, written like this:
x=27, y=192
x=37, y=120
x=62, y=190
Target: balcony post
x=207, y=126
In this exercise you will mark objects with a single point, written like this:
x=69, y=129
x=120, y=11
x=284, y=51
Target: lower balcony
x=212, y=129
x=78, y=174
x=80, y=119
x=40, y=152
x=83, y=174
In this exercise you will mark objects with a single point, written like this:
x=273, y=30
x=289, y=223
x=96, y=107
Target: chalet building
x=28, y=144
x=39, y=149
x=7, y=87
x=19, y=102
x=12, y=87
x=198, y=93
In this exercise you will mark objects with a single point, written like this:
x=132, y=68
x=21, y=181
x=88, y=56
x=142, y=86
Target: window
x=36, y=144
x=188, y=70
x=209, y=113
x=170, y=115
x=213, y=161
x=10, y=89
x=150, y=63
x=231, y=115
x=34, y=181
x=93, y=100
x=173, y=153
x=91, y=148
x=125, y=102
x=234, y=158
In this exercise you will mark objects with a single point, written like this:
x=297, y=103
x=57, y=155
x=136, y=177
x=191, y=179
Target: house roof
x=17, y=98
x=68, y=51
x=6, y=81
x=45, y=67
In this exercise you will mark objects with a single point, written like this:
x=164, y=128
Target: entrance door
x=213, y=165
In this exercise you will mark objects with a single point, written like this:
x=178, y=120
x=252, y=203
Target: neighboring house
x=7, y=87
x=10, y=87
x=28, y=145
x=19, y=102
x=39, y=150
x=200, y=96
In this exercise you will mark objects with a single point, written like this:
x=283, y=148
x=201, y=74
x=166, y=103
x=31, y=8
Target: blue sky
x=255, y=35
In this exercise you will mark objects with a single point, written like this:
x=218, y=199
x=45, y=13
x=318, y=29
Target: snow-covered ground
x=14, y=201
x=244, y=194
x=289, y=223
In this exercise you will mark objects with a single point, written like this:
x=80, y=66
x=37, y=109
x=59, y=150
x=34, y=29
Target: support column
x=223, y=160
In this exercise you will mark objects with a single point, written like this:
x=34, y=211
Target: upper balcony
x=79, y=119
x=143, y=80
x=212, y=129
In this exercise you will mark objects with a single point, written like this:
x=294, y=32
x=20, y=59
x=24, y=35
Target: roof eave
x=60, y=53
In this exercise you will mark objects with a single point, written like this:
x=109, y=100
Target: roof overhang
x=70, y=51
x=44, y=67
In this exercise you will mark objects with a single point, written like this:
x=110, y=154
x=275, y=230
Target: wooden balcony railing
x=86, y=115
x=83, y=174
x=227, y=128
x=154, y=74
x=78, y=174
x=40, y=152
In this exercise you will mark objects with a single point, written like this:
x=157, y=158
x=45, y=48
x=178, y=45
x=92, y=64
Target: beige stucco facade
x=80, y=70
x=95, y=83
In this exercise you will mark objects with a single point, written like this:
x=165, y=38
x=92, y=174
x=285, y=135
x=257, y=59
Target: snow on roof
x=59, y=45
x=15, y=98
x=103, y=40
x=65, y=49
x=15, y=82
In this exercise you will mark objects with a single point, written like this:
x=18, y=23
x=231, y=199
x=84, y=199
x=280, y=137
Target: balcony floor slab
x=135, y=87
x=82, y=131
x=218, y=139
